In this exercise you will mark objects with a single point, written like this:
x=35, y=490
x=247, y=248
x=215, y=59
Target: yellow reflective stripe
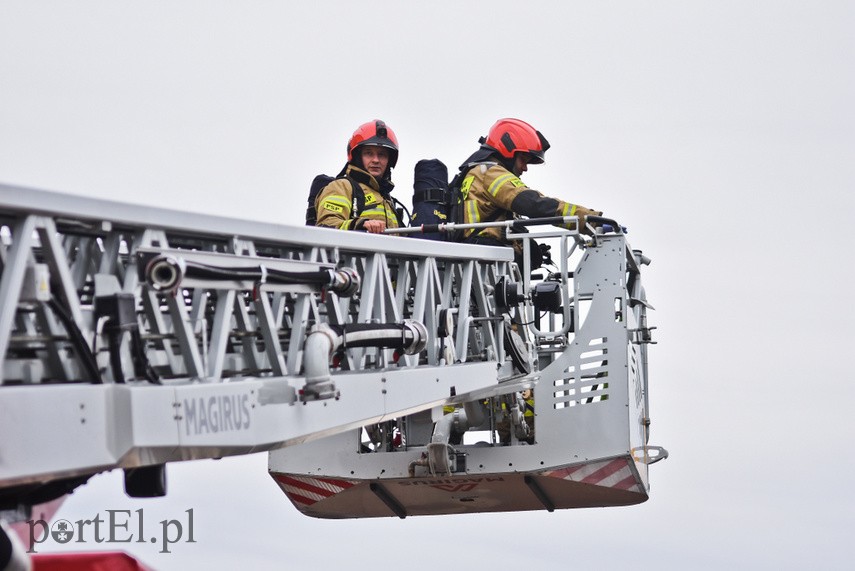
x=467, y=183
x=497, y=184
x=377, y=211
x=472, y=214
x=569, y=210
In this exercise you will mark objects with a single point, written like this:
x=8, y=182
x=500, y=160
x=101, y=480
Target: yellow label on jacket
x=467, y=184
x=332, y=207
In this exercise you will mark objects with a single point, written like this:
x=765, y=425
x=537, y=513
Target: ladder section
x=134, y=336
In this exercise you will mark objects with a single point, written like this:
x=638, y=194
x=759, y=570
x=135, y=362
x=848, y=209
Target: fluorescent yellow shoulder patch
x=467, y=183
x=517, y=182
x=369, y=198
x=332, y=207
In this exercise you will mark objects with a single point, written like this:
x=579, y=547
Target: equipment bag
x=431, y=196
x=456, y=205
x=319, y=183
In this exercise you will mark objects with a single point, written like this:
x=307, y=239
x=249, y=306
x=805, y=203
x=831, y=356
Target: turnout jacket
x=492, y=193
x=335, y=204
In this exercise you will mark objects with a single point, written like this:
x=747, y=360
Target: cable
x=84, y=353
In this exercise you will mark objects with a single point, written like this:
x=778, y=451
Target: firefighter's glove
x=583, y=214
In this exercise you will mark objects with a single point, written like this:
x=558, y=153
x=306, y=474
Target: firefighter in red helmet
x=491, y=187
x=372, y=153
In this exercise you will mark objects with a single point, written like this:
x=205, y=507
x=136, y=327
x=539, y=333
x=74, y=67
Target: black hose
x=114, y=336
x=142, y=366
x=389, y=335
x=84, y=353
x=204, y=271
x=165, y=273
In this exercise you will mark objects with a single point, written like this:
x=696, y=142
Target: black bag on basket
x=431, y=197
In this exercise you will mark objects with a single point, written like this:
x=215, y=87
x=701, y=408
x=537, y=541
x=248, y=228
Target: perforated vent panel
x=587, y=385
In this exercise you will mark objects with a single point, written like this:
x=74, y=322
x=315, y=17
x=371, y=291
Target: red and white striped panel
x=307, y=491
x=608, y=473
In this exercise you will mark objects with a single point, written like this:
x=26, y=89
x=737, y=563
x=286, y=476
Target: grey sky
x=721, y=133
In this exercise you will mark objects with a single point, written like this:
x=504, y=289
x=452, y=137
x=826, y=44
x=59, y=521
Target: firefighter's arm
x=509, y=192
x=533, y=204
x=374, y=216
x=334, y=204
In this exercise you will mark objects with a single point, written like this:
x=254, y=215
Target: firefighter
x=372, y=153
x=525, y=401
x=492, y=190
x=528, y=414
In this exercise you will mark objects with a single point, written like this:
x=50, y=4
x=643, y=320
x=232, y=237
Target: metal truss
x=89, y=338
x=211, y=330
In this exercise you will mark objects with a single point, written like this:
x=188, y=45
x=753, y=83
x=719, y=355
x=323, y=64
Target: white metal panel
x=61, y=429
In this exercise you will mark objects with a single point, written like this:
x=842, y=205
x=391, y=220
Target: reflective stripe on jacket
x=492, y=193
x=335, y=203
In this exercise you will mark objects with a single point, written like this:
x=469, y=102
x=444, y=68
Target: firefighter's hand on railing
x=584, y=215
x=372, y=226
x=607, y=224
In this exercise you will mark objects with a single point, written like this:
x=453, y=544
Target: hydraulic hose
x=324, y=340
x=165, y=273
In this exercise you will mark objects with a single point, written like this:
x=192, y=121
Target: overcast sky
x=722, y=133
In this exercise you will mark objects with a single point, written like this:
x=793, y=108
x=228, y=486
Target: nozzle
x=164, y=273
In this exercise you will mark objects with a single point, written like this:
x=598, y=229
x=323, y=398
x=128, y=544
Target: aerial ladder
x=385, y=375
